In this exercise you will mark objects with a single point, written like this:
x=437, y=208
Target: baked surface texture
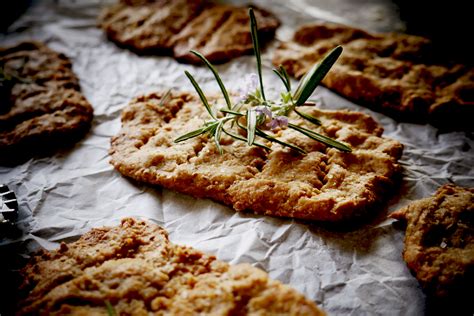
x=396, y=74
x=324, y=185
x=439, y=241
x=45, y=106
x=136, y=269
x=219, y=32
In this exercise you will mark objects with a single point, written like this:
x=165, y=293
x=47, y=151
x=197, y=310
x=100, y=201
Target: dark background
x=448, y=23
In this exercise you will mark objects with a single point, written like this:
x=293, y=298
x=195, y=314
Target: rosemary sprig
x=110, y=309
x=238, y=137
x=251, y=126
x=264, y=135
x=165, y=97
x=313, y=77
x=217, y=135
x=321, y=138
x=200, y=93
x=276, y=140
x=308, y=117
x=256, y=49
x=283, y=75
x=192, y=134
x=232, y=112
x=257, y=116
x=216, y=75
x=287, y=78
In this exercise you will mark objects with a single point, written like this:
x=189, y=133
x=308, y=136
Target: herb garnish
x=254, y=114
x=110, y=309
x=7, y=80
x=6, y=85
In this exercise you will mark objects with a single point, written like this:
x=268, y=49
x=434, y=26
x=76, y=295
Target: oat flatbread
x=392, y=73
x=324, y=185
x=219, y=32
x=138, y=271
x=44, y=106
x=439, y=241
x=148, y=27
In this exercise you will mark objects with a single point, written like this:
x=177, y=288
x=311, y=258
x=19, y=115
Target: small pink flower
x=278, y=121
x=250, y=85
x=264, y=110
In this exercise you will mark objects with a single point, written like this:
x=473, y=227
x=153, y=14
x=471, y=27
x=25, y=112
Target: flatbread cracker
x=44, y=108
x=439, y=241
x=138, y=271
x=392, y=73
x=219, y=32
x=323, y=185
x=148, y=26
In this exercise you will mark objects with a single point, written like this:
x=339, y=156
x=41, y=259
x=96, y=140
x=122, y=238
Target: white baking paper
x=360, y=272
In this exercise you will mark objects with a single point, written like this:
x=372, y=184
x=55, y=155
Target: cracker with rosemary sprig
x=274, y=157
x=325, y=184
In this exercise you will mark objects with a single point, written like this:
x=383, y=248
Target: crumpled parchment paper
x=357, y=272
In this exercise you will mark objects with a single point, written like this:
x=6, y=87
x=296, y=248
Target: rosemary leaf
x=285, y=74
x=308, y=117
x=286, y=97
x=165, y=97
x=251, y=126
x=244, y=139
x=321, y=138
x=256, y=48
x=216, y=75
x=313, y=77
x=110, y=309
x=217, y=136
x=251, y=108
x=276, y=140
x=194, y=133
x=201, y=94
x=282, y=79
x=262, y=134
x=231, y=112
